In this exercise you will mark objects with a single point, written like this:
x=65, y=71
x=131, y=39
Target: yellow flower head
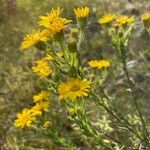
x=24, y=118
x=53, y=22
x=42, y=69
x=41, y=106
x=54, y=13
x=99, y=64
x=32, y=39
x=108, y=18
x=123, y=20
x=146, y=20
x=145, y=17
x=73, y=88
x=43, y=95
x=81, y=12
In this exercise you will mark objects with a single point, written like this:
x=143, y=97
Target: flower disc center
x=75, y=88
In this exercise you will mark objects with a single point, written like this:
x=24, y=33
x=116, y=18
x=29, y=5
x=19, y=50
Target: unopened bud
x=40, y=45
x=72, y=45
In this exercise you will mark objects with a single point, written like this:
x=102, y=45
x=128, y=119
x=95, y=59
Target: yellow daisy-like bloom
x=145, y=17
x=73, y=88
x=99, y=64
x=82, y=12
x=24, y=118
x=108, y=18
x=146, y=20
x=41, y=106
x=42, y=69
x=43, y=95
x=124, y=20
x=54, y=13
x=32, y=39
x=48, y=32
x=53, y=22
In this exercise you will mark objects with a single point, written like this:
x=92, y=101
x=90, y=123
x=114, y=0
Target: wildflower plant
x=68, y=85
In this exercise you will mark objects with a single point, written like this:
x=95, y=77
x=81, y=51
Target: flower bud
x=74, y=32
x=40, y=45
x=72, y=45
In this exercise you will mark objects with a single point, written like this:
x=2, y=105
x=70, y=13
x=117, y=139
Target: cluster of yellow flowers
x=123, y=20
x=73, y=88
x=63, y=76
x=52, y=23
x=69, y=90
x=119, y=21
x=99, y=64
x=28, y=116
x=43, y=69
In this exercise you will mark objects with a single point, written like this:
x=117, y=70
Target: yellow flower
x=145, y=17
x=108, y=18
x=32, y=39
x=54, y=13
x=73, y=88
x=81, y=12
x=99, y=64
x=43, y=95
x=123, y=20
x=42, y=69
x=48, y=32
x=24, y=118
x=53, y=22
x=146, y=20
x=47, y=124
x=41, y=106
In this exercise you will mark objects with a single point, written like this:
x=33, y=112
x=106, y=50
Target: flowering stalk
x=63, y=76
x=134, y=97
x=120, y=40
x=80, y=117
x=124, y=122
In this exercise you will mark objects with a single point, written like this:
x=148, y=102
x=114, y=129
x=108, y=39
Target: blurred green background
x=17, y=84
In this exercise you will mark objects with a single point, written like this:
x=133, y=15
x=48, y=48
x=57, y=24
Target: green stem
x=84, y=123
x=122, y=121
x=146, y=133
x=61, y=141
x=82, y=120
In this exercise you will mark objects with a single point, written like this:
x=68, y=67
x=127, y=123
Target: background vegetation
x=17, y=83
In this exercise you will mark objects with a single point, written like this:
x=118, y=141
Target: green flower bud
x=40, y=45
x=72, y=45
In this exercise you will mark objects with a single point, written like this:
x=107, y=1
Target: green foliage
x=18, y=84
